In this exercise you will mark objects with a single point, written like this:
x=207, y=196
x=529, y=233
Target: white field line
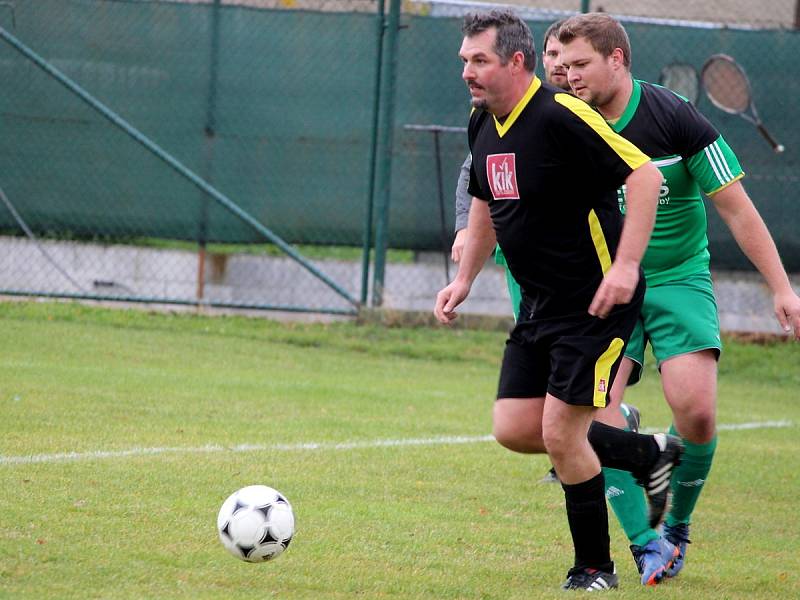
x=322, y=446
x=735, y=426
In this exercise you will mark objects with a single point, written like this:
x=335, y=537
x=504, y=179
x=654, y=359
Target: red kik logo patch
x=502, y=173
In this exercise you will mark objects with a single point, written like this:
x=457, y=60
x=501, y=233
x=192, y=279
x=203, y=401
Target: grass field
x=122, y=432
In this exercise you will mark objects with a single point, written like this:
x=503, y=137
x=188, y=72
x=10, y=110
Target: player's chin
x=582, y=93
x=479, y=103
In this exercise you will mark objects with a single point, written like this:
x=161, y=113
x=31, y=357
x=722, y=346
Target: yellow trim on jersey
x=599, y=241
x=536, y=83
x=634, y=157
x=722, y=187
x=602, y=372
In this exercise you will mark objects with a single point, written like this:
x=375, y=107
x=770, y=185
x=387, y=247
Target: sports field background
x=305, y=121
x=123, y=432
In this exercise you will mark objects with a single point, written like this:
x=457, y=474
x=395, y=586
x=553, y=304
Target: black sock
x=623, y=450
x=588, y=522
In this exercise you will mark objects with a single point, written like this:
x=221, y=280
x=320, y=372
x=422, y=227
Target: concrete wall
x=66, y=268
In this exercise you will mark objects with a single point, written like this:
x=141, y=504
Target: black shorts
x=573, y=358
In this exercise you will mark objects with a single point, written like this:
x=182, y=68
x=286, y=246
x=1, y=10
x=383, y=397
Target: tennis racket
x=681, y=79
x=728, y=88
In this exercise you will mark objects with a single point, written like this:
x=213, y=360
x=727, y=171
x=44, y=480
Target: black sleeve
x=691, y=131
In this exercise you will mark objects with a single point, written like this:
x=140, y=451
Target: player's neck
x=517, y=92
x=618, y=101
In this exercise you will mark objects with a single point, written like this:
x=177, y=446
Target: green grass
x=447, y=521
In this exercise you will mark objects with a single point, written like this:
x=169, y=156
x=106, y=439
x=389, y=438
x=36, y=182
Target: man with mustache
x=555, y=74
x=578, y=267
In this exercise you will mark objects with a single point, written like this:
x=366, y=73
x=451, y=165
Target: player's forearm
x=754, y=239
x=641, y=201
x=480, y=243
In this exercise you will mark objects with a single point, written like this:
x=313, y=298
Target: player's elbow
x=650, y=176
x=644, y=184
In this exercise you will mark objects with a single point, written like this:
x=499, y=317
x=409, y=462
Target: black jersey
x=692, y=157
x=663, y=124
x=550, y=172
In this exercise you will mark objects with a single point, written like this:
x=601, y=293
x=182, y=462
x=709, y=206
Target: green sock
x=689, y=478
x=627, y=500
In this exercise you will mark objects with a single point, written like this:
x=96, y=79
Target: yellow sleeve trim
x=722, y=187
x=632, y=156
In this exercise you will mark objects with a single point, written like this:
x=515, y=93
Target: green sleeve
x=715, y=166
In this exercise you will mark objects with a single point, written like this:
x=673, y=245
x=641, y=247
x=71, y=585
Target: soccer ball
x=256, y=523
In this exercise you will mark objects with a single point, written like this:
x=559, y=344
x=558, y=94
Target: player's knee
x=700, y=425
x=516, y=437
x=556, y=443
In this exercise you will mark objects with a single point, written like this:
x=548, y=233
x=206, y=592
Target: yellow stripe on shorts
x=602, y=371
x=599, y=241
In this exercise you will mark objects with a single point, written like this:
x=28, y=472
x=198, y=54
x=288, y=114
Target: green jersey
x=693, y=158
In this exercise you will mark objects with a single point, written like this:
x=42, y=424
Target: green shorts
x=514, y=291
x=677, y=318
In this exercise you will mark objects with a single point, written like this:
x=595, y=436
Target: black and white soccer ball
x=256, y=523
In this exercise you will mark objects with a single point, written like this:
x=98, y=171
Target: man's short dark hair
x=552, y=31
x=602, y=31
x=513, y=34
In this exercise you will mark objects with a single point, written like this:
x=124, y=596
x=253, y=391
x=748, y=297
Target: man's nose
x=467, y=73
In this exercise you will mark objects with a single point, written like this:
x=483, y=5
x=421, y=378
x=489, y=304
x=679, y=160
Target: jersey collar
x=536, y=83
x=630, y=109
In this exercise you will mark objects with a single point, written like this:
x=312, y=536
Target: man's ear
x=618, y=57
x=518, y=60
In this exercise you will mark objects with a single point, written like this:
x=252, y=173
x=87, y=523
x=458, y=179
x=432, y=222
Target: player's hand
x=448, y=299
x=787, y=310
x=617, y=287
x=458, y=245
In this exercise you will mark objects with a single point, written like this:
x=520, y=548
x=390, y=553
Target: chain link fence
x=180, y=151
x=302, y=154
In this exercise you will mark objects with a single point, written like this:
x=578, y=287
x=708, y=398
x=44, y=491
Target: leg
x=653, y=556
x=565, y=429
x=686, y=344
x=517, y=424
x=517, y=413
x=690, y=387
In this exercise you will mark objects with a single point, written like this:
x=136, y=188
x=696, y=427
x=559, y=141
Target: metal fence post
x=210, y=132
x=373, y=151
x=384, y=166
